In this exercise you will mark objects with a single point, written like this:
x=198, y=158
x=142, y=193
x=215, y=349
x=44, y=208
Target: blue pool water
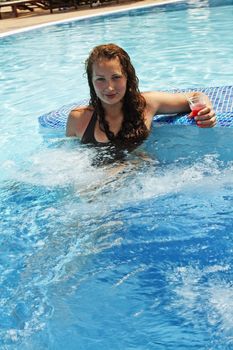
x=105, y=258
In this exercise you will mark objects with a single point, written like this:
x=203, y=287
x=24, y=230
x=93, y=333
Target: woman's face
x=109, y=81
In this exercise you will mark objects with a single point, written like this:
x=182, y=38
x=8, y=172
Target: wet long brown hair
x=133, y=127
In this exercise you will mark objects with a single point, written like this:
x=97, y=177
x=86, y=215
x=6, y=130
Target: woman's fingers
x=206, y=121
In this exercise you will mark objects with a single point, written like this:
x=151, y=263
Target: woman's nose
x=110, y=85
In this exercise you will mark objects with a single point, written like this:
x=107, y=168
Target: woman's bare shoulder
x=80, y=111
x=78, y=120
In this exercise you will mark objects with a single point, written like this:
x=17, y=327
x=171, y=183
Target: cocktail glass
x=196, y=103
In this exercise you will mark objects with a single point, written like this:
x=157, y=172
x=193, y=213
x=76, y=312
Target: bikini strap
x=88, y=136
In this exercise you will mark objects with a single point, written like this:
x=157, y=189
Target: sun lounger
x=56, y=4
x=15, y=5
x=31, y=4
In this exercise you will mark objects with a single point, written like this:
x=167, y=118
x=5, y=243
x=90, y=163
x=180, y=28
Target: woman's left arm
x=173, y=103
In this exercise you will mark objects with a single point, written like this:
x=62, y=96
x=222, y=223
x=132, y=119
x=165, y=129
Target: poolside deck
x=39, y=16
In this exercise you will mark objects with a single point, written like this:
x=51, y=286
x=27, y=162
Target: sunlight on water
x=213, y=300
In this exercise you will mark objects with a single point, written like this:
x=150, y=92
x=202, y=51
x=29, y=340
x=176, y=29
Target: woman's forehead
x=105, y=64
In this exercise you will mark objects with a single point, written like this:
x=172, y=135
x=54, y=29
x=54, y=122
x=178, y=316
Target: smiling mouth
x=111, y=96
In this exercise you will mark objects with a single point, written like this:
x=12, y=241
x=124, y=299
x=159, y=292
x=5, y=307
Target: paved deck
x=38, y=16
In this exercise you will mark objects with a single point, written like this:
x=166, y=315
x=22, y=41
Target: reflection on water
x=145, y=243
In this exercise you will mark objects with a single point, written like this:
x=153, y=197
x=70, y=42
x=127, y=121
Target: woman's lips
x=111, y=96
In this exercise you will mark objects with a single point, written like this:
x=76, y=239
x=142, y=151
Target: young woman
x=118, y=113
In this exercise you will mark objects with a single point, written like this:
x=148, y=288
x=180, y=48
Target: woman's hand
x=205, y=118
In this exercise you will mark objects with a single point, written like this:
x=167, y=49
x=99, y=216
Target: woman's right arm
x=77, y=121
x=71, y=125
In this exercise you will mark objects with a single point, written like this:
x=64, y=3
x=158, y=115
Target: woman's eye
x=100, y=79
x=116, y=77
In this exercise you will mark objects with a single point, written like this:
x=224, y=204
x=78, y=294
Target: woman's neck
x=114, y=116
x=113, y=112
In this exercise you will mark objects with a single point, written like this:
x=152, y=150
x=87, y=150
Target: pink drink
x=196, y=108
x=196, y=103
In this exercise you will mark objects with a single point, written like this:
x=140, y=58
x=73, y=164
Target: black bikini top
x=111, y=151
x=88, y=136
x=108, y=152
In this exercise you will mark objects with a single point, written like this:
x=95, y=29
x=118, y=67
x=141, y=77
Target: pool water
x=137, y=256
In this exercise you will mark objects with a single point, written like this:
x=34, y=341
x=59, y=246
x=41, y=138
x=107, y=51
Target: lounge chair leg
x=51, y=6
x=14, y=10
